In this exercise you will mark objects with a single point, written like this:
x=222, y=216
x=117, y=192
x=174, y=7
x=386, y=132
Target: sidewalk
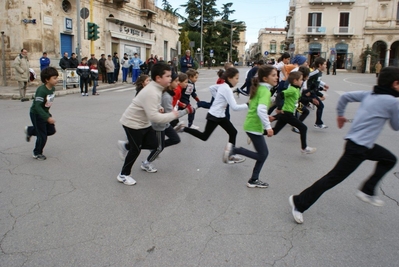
x=12, y=92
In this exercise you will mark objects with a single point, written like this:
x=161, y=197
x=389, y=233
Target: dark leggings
x=260, y=155
x=173, y=139
x=289, y=118
x=353, y=156
x=84, y=82
x=211, y=123
x=41, y=129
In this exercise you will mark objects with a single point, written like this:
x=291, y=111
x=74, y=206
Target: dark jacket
x=116, y=63
x=73, y=62
x=183, y=63
x=187, y=92
x=64, y=63
x=92, y=61
x=83, y=71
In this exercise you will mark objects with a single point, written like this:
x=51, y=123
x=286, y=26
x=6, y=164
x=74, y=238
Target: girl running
x=257, y=123
x=141, y=82
x=216, y=114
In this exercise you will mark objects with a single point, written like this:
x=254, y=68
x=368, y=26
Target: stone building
x=271, y=44
x=341, y=30
x=126, y=26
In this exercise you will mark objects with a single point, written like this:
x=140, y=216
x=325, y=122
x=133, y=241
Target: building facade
x=341, y=30
x=125, y=26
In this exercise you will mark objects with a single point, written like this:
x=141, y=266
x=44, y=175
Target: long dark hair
x=263, y=71
x=229, y=73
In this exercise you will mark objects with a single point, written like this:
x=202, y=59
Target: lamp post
x=230, y=58
x=202, y=25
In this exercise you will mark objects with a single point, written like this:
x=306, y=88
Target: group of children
x=87, y=74
x=151, y=117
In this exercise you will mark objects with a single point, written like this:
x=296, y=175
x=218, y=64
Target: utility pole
x=202, y=25
x=91, y=20
x=78, y=46
x=3, y=59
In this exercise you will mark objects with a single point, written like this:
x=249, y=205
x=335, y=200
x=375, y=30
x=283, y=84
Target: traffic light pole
x=91, y=20
x=78, y=30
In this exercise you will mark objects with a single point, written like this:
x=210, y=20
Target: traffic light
x=90, y=30
x=96, y=32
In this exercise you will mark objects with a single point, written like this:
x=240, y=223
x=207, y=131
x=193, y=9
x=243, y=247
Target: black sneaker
x=257, y=183
x=27, y=136
x=39, y=157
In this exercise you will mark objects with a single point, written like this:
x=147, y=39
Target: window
x=66, y=6
x=165, y=50
x=314, y=22
x=344, y=22
x=397, y=14
x=273, y=47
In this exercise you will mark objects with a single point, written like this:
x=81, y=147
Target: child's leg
x=385, y=162
x=81, y=85
x=86, y=85
x=159, y=140
x=230, y=130
x=295, y=122
x=173, y=137
x=190, y=119
x=282, y=121
x=40, y=126
x=305, y=113
x=319, y=112
x=135, y=138
x=209, y=128
x=353, y=156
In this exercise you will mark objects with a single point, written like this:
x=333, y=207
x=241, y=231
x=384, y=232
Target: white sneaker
x=320, y=126
x=195, y=127
x=83, y=94
x=122, y=149
x=86, y=94
x=373, y=200
x=126, y=179
x=249, y=141
x=235, y=159
x=148, y=167
x=227, y=152
x=308, y=150
x=298, y=217
x=179, y=127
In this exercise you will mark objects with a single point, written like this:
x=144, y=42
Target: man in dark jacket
x=117, y=65
x=101, y=67
x=73, y=63
x=186, y=62
x=92, y=60
x=64, y=62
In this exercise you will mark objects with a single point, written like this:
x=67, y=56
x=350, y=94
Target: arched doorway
x=314, y=52
x=394, y=55
x=380, y=48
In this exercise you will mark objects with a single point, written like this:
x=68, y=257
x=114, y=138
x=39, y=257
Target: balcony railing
x=332, y=1
x=344, y=31
x=316, y=30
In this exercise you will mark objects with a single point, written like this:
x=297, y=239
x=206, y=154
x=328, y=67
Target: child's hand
x=326, y=87
x=341, y=121
x=51, y=120
x=269, y=132
x=322, y=98
x=315, y=101
x=161, y=110
x=307, y=94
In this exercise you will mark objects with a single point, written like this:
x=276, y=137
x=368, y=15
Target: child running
x=187, y=92
x=375, y=109
x=141, y=82
x=291, y=96
x=257, y=123
x=137, y=118
x=42, y=120
x=217, y=116
x=165, y=129
x=183, y=81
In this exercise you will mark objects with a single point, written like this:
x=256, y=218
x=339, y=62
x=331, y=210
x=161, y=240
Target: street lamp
x=3, y=59
x=230, y=58
x=202, y=26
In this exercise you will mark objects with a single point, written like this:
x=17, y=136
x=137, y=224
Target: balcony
x=147, y=9
x=315, y=30
x=292, y=5
x=331, y=2
x=344, y=31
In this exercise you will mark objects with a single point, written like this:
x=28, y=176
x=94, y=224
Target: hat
x=299, y=59
x=109, y=56
x=174, y=76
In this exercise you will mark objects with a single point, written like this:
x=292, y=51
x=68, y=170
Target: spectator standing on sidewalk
x=378, y=67
x=135, y=62
x=73, y=63
x=92, y=60
x=110, y=68
x=44, y=61
x=117, y=66
x=21, y=65
x=125, y=67
x=186, y=62
x=101, y=67
x=64, y=62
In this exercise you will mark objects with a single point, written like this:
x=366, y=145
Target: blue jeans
x=94, y=87
x=260, y=155
x=41, y=129
x=124, y=74
x=136, y=74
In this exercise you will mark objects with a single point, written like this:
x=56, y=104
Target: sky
x=256, y=14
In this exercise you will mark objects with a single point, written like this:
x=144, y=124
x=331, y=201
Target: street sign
x=213, y=61
x=211, y=53
x=84, y=13
x=266, y=53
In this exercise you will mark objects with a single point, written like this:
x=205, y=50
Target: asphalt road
x=195, y=211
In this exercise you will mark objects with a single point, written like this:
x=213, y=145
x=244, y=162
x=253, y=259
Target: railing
x=344, y=31
x=316, y=30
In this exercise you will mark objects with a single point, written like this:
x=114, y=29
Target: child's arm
x=228, y=95
x=394, y=120
x=343, y=101
x=38, y=106
x=261, y=110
